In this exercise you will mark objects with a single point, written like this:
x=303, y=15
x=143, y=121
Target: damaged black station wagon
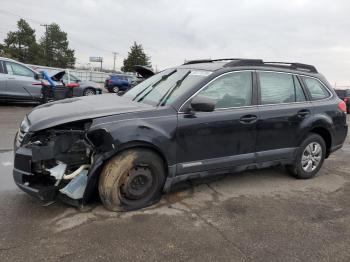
x=202, y=118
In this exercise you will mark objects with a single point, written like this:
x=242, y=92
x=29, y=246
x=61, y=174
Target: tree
x=136, y=56
x=54, y=45
x=21, y=44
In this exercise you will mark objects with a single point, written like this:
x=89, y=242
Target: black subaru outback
x=202, y=118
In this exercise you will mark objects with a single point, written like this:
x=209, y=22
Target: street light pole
x=114, y=58
x=46, y=45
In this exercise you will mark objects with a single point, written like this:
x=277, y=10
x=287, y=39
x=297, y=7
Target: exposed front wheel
x=310, y=157
x=89, y=92
x=131, y=180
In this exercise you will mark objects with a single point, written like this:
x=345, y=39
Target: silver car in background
x=18, y=82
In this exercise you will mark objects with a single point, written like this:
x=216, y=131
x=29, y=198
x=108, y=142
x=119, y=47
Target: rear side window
x=276, y=88
x=316, y=89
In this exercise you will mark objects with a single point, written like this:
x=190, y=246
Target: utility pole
x=114, y=58
x=46, y=45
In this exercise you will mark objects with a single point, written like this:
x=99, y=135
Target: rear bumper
x=339, y=136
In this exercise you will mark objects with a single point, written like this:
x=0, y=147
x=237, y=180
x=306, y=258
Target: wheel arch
x=89, y=88
x=326, y=135
x=145, y=145
x=92, y=184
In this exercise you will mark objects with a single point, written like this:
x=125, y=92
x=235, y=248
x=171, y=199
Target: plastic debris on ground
x=76, y=187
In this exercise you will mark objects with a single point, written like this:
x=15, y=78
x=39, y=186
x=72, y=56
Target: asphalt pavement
x=263, y=215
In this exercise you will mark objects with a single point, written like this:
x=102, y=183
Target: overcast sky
x=315, y=32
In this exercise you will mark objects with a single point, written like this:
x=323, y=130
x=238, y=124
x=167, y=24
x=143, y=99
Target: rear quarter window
x=317, y=90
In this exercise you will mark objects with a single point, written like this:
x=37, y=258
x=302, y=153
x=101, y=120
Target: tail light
x=110, y=81
x=346, y=99
x=342, y=106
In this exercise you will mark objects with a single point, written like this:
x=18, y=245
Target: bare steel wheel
x=138, y=183
x=309, y=157
x=131, y=180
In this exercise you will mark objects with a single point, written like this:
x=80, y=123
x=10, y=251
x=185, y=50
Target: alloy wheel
x=311, y=157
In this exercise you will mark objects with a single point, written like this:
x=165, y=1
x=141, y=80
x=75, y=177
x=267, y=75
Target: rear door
x=21, y=83
x=283, y=108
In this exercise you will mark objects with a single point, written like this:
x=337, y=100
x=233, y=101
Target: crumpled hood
x=81, y=108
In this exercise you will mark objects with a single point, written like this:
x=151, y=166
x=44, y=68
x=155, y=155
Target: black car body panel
x=192, y=144
x=80, y=108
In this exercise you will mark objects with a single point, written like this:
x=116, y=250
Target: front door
x=21, y=83
x=283, y=108
x=222, y=138
x=3, y=78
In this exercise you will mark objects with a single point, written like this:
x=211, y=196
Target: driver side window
x=230, y=90
x=18, y=70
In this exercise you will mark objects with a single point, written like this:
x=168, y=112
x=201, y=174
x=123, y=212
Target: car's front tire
x=132, y=180
x=309, y=157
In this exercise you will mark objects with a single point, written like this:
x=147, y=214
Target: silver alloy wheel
x=116, y=89
x=311, y=157
x=89, y=92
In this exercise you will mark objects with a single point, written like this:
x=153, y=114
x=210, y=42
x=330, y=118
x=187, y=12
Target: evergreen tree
x=21, y=44
x=54, y=46
x=136, y=56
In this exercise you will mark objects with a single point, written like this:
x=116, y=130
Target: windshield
x=163, y=88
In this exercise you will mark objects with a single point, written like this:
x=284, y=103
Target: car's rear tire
x=131, y=180
x=115, y=89
x=309, y=157
x=89, y=92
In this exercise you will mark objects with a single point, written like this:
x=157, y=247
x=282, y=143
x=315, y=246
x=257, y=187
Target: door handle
x=303, y=113
x=11, y=78
x=248, y=119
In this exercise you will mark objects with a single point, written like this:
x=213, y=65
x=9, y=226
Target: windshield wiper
x=167, y=95
x=164, y=77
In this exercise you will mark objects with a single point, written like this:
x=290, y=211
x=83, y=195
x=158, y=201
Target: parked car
x=344, y=94
x=205, y=117
x=119, y=82
x=18, y=82
x=85, y=88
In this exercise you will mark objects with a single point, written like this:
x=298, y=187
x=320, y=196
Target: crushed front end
x=53, y=162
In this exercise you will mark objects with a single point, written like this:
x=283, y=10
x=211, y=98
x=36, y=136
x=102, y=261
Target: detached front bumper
x=25, y=179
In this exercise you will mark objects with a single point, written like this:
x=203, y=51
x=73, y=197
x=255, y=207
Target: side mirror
x=203, y=104
x=37, y=76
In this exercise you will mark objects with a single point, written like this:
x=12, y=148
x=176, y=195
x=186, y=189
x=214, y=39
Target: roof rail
x=287, y=65
x=257, y=62
x=190, y=62
x=295, y=66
